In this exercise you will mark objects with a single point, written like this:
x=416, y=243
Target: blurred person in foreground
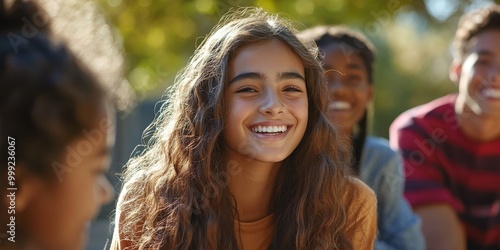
x=57, y=128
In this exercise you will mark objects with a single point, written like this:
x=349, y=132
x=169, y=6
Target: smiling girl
x=242, y=155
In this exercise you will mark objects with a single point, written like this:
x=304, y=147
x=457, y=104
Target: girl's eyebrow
x=289, y=75
x=248, y=75
x=259, y=76
x=350, y=65
x=354, y=66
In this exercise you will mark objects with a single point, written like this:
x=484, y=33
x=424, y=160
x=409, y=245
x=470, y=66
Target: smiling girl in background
x=348, y=59
x=243, y=155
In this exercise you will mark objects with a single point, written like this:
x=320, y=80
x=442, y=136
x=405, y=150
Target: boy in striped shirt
x=451, y=146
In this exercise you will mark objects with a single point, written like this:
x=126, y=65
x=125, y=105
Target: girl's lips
x=270, y=129
x=272, y=136
x=273, y=131
x=270, y=126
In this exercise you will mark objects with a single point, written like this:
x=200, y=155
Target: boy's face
x=479, y=74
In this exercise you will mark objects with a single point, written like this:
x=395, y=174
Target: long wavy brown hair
x=175, y=194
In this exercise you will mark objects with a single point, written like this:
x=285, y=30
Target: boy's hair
x=473, y=23
x=176, y=194
x=46, y=97
x=352, y=42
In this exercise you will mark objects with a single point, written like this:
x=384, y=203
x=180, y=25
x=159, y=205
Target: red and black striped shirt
x=443, y=165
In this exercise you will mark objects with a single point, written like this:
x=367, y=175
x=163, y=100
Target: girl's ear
x=455, y=70
x=28, y=186
x=370, y=90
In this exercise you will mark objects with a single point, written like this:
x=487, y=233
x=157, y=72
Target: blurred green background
x=412, y=39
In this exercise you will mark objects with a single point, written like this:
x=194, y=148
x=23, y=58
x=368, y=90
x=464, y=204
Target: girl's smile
x=270, y=131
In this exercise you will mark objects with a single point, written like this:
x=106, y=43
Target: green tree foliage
x=412, y=40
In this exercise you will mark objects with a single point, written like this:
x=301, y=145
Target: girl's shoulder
x=358, y=196
x=361, y=211
x=378, y=145
x=378, y=156
x=358, y=193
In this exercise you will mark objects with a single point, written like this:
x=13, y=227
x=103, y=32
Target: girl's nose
x=107, y=191
x=271, y=104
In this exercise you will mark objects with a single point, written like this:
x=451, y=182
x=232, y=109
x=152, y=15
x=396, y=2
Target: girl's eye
x=292, y=89
x=482, y=62
x=246, y=89
x=354, y=78
x=354, y=81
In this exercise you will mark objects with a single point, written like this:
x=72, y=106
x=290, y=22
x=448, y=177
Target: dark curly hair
x=46, y=96
x=326, y=35
x=473, y=23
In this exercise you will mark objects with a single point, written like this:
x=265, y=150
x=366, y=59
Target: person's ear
x=28, y=186
x=455, y=70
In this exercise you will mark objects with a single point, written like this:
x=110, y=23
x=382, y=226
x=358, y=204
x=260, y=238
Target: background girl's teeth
x=339, y=105
x=492, y=93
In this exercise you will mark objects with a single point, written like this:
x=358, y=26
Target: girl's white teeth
x=492, y=93
x=270, y=129
x=339, y=105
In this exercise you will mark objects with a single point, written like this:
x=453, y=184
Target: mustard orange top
x=361, y=222
x=257, y=234
x=361, y=216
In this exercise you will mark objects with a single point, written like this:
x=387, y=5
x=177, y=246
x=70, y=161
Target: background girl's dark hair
x=352, y=42
x=46, y=97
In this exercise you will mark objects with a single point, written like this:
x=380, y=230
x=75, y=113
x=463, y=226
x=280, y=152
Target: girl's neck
x=347, y=131
x=252, y=185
